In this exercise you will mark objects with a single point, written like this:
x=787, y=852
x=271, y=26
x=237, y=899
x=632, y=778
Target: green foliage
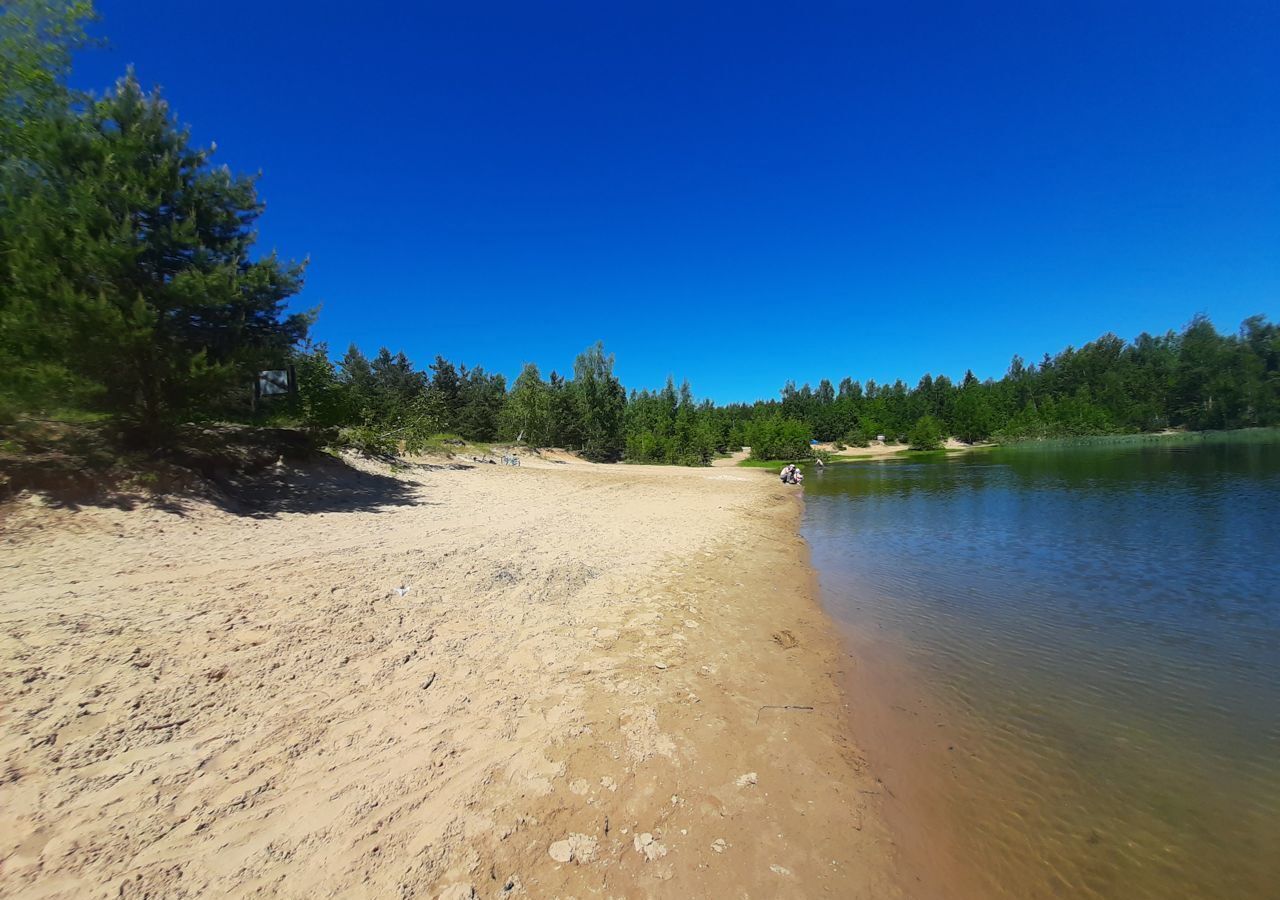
x=778, y=438
x=972, y=416
x=925, y=434
x=324, y=400
x=566, y=427
x=386, y=406
x=444, y=393
x=1199, y=379
x=369, y=440
x=483, y=398
x=383, y=402
x=669, y=427
x=126, y=281
x=526, y=417
x=600, y=402
x=37, y=40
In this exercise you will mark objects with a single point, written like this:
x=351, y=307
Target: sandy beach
x=557, y=680
x=882, y=450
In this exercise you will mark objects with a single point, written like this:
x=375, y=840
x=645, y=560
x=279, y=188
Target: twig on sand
x=779, y=706
x=166, y=725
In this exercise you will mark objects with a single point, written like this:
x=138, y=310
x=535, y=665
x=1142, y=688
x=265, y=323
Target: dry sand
x=548, y=681
x=880, y=450
x=875, y=450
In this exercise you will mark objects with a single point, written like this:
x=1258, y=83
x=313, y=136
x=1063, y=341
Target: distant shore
x=884, y=449
x=878, y=450
x=874, y=450
x=565, y=677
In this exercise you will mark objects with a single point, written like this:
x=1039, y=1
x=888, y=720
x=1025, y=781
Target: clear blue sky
x=741, y=193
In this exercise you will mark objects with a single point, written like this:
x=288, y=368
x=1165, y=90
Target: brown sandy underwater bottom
x=903, y=728
x=979, y=810
x=571, y=681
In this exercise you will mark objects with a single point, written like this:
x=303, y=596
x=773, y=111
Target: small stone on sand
x=644, y=843
x=579, y=848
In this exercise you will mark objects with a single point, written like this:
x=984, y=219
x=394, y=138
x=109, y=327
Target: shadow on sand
x=301, y=483
x=318, y=486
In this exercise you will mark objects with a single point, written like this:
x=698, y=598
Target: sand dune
x=556, y=680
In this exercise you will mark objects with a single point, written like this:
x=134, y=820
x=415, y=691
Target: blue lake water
x=1071, y=661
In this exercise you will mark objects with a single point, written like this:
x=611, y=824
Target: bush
x=926, y=434
x=369, y=441
x=778, y=439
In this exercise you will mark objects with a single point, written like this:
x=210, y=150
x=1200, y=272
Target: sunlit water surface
x=1101, y=627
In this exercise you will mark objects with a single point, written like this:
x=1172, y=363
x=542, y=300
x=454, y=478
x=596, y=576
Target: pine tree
x=445, y=393
x=601, y=402
x=324, y=399
x=127, y=266
x=483, y=396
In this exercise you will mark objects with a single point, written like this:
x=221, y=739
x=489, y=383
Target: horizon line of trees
x=1195, y=379
x=128, y=286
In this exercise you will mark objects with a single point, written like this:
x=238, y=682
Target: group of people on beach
x=791, y=474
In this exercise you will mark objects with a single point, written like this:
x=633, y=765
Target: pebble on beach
x=579, y=848
x=645, y=843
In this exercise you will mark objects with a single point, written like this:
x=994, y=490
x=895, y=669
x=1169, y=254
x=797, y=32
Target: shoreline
x=555, y=679
x=909, y=734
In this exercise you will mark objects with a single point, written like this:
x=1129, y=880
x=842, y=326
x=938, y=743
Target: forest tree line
x=129, y=289
x=1194, y=379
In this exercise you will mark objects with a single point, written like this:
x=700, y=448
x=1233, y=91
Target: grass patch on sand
x=397, y=442
x=447, y=443
x=939, y=453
